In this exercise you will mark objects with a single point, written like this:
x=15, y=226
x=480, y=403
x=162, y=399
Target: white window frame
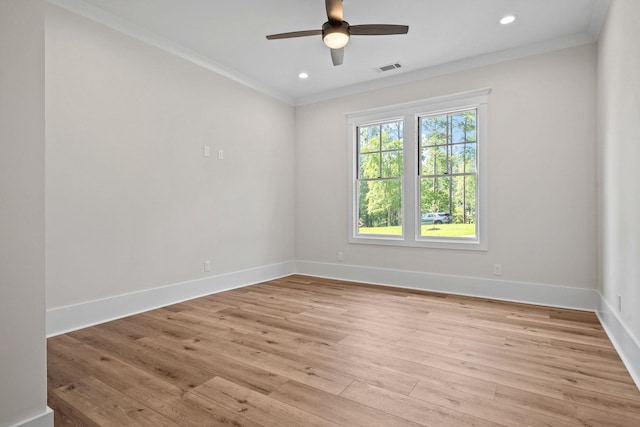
x=410, y=113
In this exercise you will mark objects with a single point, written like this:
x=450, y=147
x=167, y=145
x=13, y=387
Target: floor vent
x=388, y=67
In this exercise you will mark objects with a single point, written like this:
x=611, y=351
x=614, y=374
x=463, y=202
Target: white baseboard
x=42, y=420
x=529, y=293
x=627, y=346
x=65, y=319
x=69, y=318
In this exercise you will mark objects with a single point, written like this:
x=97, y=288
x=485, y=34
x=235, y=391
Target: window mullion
x=410, y=170
x=380, y=151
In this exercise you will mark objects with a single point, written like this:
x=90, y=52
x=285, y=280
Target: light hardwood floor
x=303, y=351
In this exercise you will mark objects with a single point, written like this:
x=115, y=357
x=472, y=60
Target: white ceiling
x=228, y=36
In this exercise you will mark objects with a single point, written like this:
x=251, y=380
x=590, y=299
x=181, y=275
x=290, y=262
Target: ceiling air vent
x=388, y=67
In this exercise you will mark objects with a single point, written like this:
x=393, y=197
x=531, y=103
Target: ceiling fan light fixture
x=335, y=36
x=336, y=31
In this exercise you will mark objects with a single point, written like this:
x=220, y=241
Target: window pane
x=463, y=126
x=434, y=161
x=470, y=158
x=392, y=136
x=434, y=195
x=438, y=198
x=470, y=200
x=391, y=164
x=457, y=158
x=433, y=130
x=363, y=213
x=369, y=139
x=369, y=166
x=380, y=207
x=465, y=212
x=463, y=158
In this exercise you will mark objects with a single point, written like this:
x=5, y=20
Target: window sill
x=400, y=241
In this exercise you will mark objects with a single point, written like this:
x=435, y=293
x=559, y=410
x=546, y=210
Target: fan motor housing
x=335, y=34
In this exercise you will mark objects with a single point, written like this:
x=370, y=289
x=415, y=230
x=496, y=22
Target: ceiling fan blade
x=334, y=10
x=337, y=56
x=377, y=29
x=294, y=34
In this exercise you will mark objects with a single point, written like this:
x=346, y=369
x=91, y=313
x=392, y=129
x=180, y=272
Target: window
x=448, y=174
x=380, y=170
x=416, y=173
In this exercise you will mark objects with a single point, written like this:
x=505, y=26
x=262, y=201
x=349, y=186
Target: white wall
x=132, y=204
x=541, y=174
x=619, y=152
x=22, y=262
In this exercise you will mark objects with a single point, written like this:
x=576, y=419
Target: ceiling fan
x=336, y=31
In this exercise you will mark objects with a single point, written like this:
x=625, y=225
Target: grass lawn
x=446, y=230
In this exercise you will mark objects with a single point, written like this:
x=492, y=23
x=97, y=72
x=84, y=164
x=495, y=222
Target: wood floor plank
x=588, y=322
x=627, y=402
x=488, y=409
x=109, y=407
x=529, y=328
x=535, y=402
x=87, y=361
x=550, y=357
x=332, y=323
x=358, y=370
x=197, y=320
x=411, y=409
x=216, y=415
x=564, y=373
x=257, y=407
x=184, y=411
x=238, y=315
x=65, y=414
x=148, y=359
x=342, y=411
x=156, y=325
x=208, y=303
x=247, y=375
x=179, y=410
x=62, y=367
x=308, y=351
x=597, y=417
x=607, y=353
x=460, y=376
x=447, y=357
x=422, y=363
x=271, y=302
x=301, y=371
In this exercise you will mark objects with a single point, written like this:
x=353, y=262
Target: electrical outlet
x=497, y=270
x=220, y=154
x=207, y=266
x=340, y=256
x=206, y=151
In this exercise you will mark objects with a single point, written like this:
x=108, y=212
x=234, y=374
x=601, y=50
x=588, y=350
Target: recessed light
x=303, y=75
x=507, y=19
